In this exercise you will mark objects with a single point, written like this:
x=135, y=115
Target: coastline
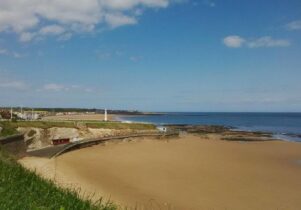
x=282, y=126
x=190, y=172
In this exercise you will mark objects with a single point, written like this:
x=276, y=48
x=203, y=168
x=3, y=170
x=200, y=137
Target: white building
x=162, y=129
x=28, y=115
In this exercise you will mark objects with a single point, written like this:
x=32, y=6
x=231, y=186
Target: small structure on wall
x=60, y=141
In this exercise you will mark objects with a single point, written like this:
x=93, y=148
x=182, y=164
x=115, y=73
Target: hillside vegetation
x=10, y=127
x=23, y=189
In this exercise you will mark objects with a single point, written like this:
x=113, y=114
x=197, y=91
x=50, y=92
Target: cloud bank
x=294, y=25
x=16, y=85
x=32, y=19
x=6, y=52
x=10, y=84
x=235, y=41
x=60, y=87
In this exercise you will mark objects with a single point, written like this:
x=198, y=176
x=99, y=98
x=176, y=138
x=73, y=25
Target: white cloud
x=135, y=58
x=103, y=55
x=294, y=25
x=129, y=4
x=106, y=55
x=18, y=85
x=9, y=82
x=88, y=90
x=52, y=30
x=3, y=51
x=59, y=87
x=28, y=18
x=118, y=19
x=17, y=55
x=54, y=87
x=6, y=52
x=235, y=41
x=65, y=37
x=26, y=36
x=209, y=3
x=75, y=86
x=268, y=41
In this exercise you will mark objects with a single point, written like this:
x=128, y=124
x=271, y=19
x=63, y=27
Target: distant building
x=162, y=129
x=28, y=115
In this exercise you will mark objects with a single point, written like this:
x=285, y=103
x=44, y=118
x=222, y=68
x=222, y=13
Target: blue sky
x=151, y=55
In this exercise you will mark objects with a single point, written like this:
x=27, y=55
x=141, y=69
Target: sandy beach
x=189, y=172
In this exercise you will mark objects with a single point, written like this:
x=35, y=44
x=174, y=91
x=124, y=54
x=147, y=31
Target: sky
x=152, y=55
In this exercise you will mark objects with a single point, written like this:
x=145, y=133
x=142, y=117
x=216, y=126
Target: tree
x=5, y=114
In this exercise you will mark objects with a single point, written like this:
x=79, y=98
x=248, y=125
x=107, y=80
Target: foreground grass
x=23, y=189
x=10, y=128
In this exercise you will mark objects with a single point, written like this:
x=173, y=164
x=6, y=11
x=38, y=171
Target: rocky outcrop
x=60, y=133
x=35, y=137
x=224, y=133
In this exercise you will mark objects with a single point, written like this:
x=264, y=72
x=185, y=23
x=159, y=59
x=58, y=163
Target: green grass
x=10, y=127
x=7, y=129
x=23, y=189
x=118, y=125
x=37, y=124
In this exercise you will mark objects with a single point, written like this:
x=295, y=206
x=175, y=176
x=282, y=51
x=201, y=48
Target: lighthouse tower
x=106, y=115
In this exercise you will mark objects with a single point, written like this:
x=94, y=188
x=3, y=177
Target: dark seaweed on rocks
x=227, y=133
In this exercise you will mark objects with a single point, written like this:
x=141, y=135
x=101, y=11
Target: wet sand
x=185, y=173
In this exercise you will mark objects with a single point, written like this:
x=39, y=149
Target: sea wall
x=37, y=138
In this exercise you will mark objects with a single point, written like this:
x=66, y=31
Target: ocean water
x=285, y=126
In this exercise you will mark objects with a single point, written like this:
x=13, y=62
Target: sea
x=285, y=126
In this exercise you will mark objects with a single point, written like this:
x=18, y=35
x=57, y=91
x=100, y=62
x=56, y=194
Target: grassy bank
x=119, y=125
x=7, y=130
x=23, y=189
x=10, y=128
x=36, y=124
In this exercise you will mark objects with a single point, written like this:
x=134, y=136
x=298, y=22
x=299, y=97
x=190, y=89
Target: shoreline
x=292, y=137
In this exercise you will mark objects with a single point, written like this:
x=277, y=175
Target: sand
x=184, y=173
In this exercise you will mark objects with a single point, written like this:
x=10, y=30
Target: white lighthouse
x=106, y=115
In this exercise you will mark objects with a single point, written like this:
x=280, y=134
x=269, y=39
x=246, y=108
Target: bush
x=5, y=114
